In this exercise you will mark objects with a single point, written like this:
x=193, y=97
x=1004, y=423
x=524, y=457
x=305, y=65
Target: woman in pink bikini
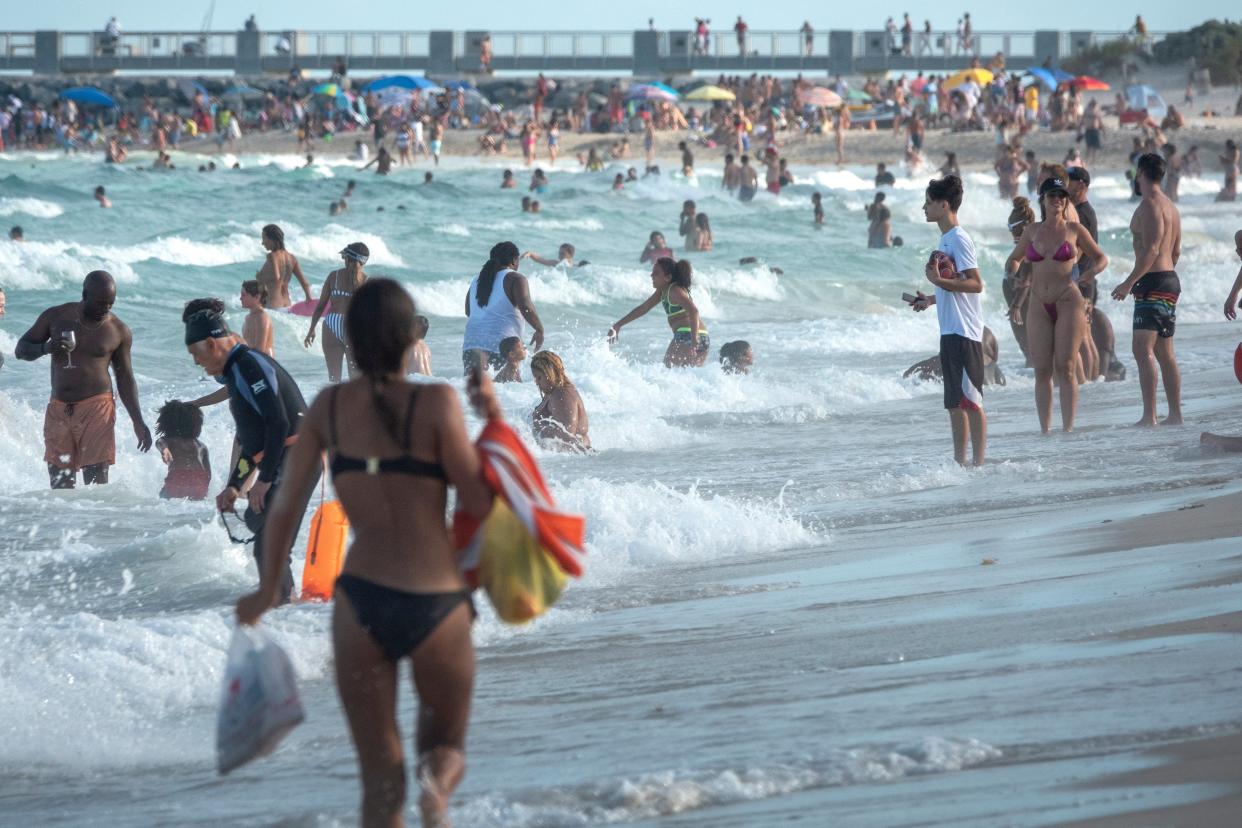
x=1056, y=320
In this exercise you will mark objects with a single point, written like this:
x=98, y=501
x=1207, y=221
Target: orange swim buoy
x=325, y=551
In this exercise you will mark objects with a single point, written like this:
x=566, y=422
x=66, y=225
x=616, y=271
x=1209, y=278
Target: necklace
x=97, y=325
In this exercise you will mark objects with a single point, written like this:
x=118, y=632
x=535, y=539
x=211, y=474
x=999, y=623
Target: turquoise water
x=771, y=610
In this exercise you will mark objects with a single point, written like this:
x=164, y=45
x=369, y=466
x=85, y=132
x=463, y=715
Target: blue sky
x=535, y=15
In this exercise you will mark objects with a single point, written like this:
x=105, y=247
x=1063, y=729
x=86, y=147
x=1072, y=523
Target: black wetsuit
x=267, y=408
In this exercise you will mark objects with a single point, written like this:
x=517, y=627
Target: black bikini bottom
x=399, y=621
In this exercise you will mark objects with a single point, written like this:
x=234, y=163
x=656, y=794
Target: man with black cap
x=267, y=409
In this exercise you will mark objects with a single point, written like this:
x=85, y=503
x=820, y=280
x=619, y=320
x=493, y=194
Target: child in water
x=257, y=327
x=736, y=357
x=818, y=203
x=513, y=352
x=418, y=360
x=178, y=425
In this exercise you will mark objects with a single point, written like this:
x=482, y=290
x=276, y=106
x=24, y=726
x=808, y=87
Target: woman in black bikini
x=401, y=593
x=1056, y=320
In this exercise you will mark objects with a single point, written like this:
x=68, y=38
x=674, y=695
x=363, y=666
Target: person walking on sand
x=394, y=449
x=1157, y=230
x=278, y=269
x=338, y=289
x=79, y=424
x=959, y=310
x=1056, y=318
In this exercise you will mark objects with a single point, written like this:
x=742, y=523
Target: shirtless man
x=1207, y=438
x=1157, y=230
x=102, y=197
x=732, y=177
x=279, y=266
x=78, y=426
x=748, y=180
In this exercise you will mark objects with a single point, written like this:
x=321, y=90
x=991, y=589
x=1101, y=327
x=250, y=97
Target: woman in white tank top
x=496, y=304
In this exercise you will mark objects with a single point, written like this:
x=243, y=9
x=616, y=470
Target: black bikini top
x=405, y=464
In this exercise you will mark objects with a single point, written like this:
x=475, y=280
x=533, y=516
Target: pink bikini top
x=1064, y=253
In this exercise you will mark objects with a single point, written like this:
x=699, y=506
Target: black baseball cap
x=1080, y=175
x=1052, y=184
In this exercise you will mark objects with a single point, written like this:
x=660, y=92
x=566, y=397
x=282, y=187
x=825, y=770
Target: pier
x=636, y=53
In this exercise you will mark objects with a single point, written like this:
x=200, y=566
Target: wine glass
x=71, y=341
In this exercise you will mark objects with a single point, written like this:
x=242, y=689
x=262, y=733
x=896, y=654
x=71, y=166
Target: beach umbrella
x=647, y=92
x=243, y=91
x=857, y=95
x=1086, y=83
x=665, y=87
x=329, y=89
x=397, y=82
x=978, y=75
x=1061, y=76
x=454, y=85
x=710, y=92
x=820, y=96
x=1044, y=77
x=88, y=95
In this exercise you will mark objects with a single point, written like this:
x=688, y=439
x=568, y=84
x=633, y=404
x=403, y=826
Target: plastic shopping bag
x=259, y=704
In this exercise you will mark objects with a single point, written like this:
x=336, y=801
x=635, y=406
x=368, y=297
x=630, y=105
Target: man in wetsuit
x=85, y=339
x=267, y=409
x=1157, y=230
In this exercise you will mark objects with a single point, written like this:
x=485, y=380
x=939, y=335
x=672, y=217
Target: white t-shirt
x=960, y=313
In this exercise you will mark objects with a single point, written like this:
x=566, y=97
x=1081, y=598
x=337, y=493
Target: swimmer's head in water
x=897, y=241
x=512, y=349
x=566, y=251
x=356, y=252
x=548, y=370
x=421, y=326
x=16, y=233
x=380, y=326
x=205, y=324
x=736, y=357
x=179, y=419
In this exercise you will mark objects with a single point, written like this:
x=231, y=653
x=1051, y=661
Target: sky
x=542, y=15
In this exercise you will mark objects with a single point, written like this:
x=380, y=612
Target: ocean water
x=784, y=615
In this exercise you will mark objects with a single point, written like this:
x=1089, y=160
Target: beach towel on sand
x=523, y=550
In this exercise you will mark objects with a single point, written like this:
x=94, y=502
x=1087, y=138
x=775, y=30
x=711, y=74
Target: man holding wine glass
x=81, y=416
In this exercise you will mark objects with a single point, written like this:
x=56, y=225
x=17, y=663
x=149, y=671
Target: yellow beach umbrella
x=710, y=93
x=978, y=75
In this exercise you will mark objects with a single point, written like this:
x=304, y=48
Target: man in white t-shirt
x=959, y=310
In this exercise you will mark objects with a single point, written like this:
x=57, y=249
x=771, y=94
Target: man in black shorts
x=1157, y=230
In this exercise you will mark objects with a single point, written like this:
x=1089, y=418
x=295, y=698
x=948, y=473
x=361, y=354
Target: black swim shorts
x=489, y=359
x=961, y=361
x=1155, y=302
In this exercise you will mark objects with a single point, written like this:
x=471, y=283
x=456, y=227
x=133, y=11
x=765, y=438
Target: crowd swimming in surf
x=376, y=418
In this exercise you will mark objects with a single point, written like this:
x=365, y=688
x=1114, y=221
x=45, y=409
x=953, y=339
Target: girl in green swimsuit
x=671, y=281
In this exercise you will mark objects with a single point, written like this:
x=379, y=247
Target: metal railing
x=141, y=50
x=332, y=45
x=17, y=45
x=558, y=44
x=755, y=44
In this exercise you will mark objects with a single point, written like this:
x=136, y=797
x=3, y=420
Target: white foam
x=663, y=793
x=30, y=207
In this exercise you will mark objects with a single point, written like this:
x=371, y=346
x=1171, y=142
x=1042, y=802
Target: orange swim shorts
x=80, y=433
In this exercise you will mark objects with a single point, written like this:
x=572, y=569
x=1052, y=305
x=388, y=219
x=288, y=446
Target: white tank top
x=490, y=323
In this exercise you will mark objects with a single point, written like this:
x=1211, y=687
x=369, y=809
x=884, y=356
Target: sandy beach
x=863, y=147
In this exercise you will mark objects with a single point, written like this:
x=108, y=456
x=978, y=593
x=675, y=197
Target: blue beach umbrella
x=454, y=85
x=1044, y=77
x=243, y=91
x=88, y=95
x=1061, y=75
x=666, y=88
x=399, y=82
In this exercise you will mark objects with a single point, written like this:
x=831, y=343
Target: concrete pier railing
x=639, y=53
